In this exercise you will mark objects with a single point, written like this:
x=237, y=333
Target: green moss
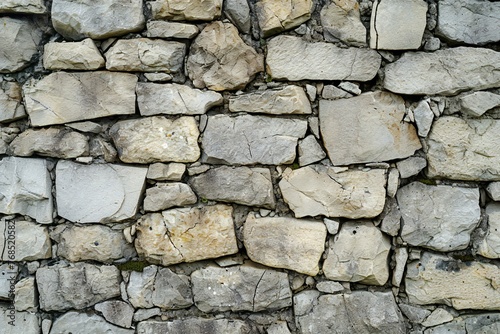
x=133, y=266
x=429, y=182
x=203, y=200
x=269, y=78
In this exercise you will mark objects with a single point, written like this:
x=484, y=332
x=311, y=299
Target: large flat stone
x=194, y=325
x=84, y=323
x=82, y=55
x=23, y=6
x=63, y=97
x=275, y=16
x=167, y=195
x=292, y=58
x=11, y=108
x=31, y=241
x=189, y=10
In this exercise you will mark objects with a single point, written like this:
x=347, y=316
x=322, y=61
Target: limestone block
x=166, y=172
x=275, y=16
x=477, y=103
x=84, y=323
x=31, y=241
x=82, y=55
x=26, y=298
x=116, y=312
x=310, y=151
x=23, y=6
x=167, y=195
x=11, y=108
x=186, y=10
x=410, y=166
x=14, y=322
x=341, y=20
x=194, y=325
x=238, y=11
x=164, y=29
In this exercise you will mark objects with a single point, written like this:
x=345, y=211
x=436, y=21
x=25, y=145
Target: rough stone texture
x=82, y=55
x=14, y=322
x=303, y=242
x=186, y=235
x=341, y=20
x=163, y=29
x=172, y=99
x=411, y=166
x=478, y=103
x=249, y=139
x=292, y=58
x=116, y=312
x=397, y=24
x=167, y=195
x=391, y=222
x=10, y=102
x=186, y=10
x=488, y=323
x=194, y=325
x=242, y=185
x=489, y=245
x=19, y=39
x=275, y=16
x=23, y=6
x=166, y=172
x=51, y=142
x=423, y=117
x=310, y=151
x=119, y=188
x=140, y=287
x=415, y=314
x=76, y=287
x=401, y=256
x=320, y=190
x=444, y=72
x=438, y=217
x=76, y=20
x=358, y=253
x=220, y=60
x=493, y=190
x=375, y=132
x=171, y=291
x=240, y=288
x=64, y=97
x=25, y=188
x=83, y=323
x=287, y=100
x=238, y=11
x=31, y=241
x=469, y=21
x=26, y=298
x=156, y=139
x=8, y=275
x=438, y=316
x=438, y=279
x=463, y=149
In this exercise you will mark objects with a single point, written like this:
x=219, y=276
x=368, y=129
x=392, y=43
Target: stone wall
x=270, y=166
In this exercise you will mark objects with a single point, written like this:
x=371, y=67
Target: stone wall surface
x=249, y=166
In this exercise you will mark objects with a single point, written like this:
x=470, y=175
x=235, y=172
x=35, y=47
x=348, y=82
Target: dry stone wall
x=260, y=166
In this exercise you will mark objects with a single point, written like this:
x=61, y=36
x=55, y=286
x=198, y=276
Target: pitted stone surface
x=31, y=240
x=189, y=10
x=75, y=322
x=23, y=6
x=82, y=55
x=10, y=102
x=275, y=16
x=194, y=325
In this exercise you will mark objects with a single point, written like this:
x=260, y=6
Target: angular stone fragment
x=242, y=185
x=23, y=6
x=26, y=298
x=119, y=188
x=194, y=325
x=156, y=139
x=358, y=253
x=76, y=287
x=391, y=222
x=220, y=60
x=488, y=323
x=238, y=11
x=11, y=108
x=76, y=20
x=84, y=323
x=164, y=29
x=410, y=166
x=453, y=70
x=166, y=172
x=240, y=288
x=415, y=314
x=375, y=130
x=82, y=55
x=14, y=322
x=292, y=58
x=438, y=316
x=249, y=139
x=423, y=117
x=275, y=16
x=186, y=10
x=478, y=103
x=288, y=100
x=172, y=99
x=493, y=191
x=140, y=287
x=31, y=241
x=171, y=291
x=401, y=256
x=303, y=242
x=341, y=20
x=186, y=235
x=116, y=312
x=167, y=195
x=320, y=190
x=26, y=188
x=63, y=97
x=8, y=276
x=489, y=245
x=438, y=279
x=310, y=151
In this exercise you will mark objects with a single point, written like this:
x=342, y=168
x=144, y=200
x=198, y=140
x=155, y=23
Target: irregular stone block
x=63, y=97
x=488, y=323
x=86, y=18
x=438, y=217
x=478, y=103
x=119, y=188
x=310, y=151
x=423, y=117
x=11, y=108
x=156, y=139
x=246, y=139
x=242, y=185
x=238, y=12
x=240, y=288
x=140, y=287
x=166, y=172
x=292, y=58
x=167, y=195
x=194, y=325
x=489, y=245
x=26, y=298
x=186, y=10
x=320, y=190
x=303, y=242
x=410, y=166
x=116, y=312
x=171, y=291
x=23, y=6
x=453, y=70
x=8, y=276
x=24, y=241
x=186, y=235
x=341, y=20
x=375, y=132
x=276, y=16
x=82, y=55
x=493, y=191
x=14, y=322
x=84, y=323
x=164, y=29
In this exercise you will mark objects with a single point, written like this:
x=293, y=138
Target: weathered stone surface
x=464, y=149
x=14, y=322
x=31, y=241
x=167, y=195
x=156, y=139
x=10, y=102
x=26, y=298
x=84, y=323
x=423, y=117
x=414, y=313
x=411, y=166
x=489, y=245
x=268, y=239
x=119, y=188
x=220, y=60
x=469, y=21
x=310, y=151
x=249, y=139
x=453, y=70
x=19, y=39
x=8, y=276
x=172, y=99
x=51, y=142
x=193, y=234
x=186, y=10
x=63, y=97
x=166, y=172
x=26, y=188
x=438, y=217
x=164, y=29
x=320, y=190
x=240, y=288
x=397, y=24
x=358, y=253
x=171, y=291
x=341, y=20
x=76, y=287
x=493, y=190
x=242, y=185
x=438, y=279
x=292, y=58
x=86, y=18
x=116, y=312
x=438, y=316
x=478, y=103
x=140, y=287
x=391, y=222
x=23, y=6
x=375, y=132
x=82, y=55
x=275, y=16
x=488, y=323
x=288, y=100
x=238, y=11
x=280, y=327
x=194, y=325
x=361, y=312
